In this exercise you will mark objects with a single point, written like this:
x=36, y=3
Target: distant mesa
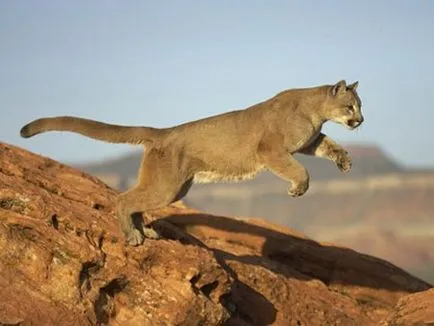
x=365, y=150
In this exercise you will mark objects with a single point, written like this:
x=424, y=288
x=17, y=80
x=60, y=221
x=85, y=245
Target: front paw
x=343, y=162
x=298, y=190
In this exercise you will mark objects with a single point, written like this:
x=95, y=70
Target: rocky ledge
x=64, y=262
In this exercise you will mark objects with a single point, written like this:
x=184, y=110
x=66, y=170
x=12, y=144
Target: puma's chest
x=227, y=176
x=306, y=140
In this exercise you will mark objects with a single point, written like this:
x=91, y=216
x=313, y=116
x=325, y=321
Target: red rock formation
x=64, y=262
x=413, y=309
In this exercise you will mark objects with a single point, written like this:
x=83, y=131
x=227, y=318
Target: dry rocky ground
x=64, y=262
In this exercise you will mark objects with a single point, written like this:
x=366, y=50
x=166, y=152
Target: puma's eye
x=350, y=108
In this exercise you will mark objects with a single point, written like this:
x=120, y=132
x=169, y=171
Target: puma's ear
x=340, y=86
x=354, y=85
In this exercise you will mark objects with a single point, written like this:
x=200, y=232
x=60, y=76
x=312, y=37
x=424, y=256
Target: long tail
x=93, y=129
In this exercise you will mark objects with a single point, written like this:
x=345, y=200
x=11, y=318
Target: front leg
x=325, y=147
x=285, y=166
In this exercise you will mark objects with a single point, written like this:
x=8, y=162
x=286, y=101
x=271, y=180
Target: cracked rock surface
x=64, y=262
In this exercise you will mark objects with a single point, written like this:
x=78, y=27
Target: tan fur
x=233, y=146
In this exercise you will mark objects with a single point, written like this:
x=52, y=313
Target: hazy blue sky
x=160, y=63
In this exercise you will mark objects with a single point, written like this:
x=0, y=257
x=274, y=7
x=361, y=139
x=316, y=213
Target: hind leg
x=141, y=199
x=130, y=205
x=160, y=183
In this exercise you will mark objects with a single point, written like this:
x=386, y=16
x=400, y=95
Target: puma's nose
x=358, y=122
x=355, y=123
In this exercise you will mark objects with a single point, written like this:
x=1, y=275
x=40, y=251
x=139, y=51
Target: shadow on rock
x=295, y=256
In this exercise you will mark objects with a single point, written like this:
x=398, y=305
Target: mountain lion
x=232, y=146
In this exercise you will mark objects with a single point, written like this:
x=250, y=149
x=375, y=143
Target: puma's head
x=343, y=105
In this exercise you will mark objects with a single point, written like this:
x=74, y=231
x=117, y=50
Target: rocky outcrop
x=64, y=262
x=413, y=309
